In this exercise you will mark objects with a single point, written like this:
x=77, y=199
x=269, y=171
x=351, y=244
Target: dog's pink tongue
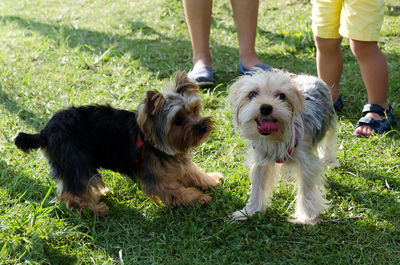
x=267, y=127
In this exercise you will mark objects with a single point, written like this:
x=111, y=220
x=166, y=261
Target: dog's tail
x=26, y=142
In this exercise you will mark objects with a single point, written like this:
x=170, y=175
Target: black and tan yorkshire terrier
x=290, y=124
x=151, y=144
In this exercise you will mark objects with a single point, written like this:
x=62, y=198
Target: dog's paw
x=100, y=209
x=204, y=198
x=241, y=215
x=104, y=191
x=332, y=163
x=216, y=179
x=304, y=221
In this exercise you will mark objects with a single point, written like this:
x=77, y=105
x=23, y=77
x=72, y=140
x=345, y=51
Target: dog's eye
x=252, y=94
x=178, y=121
x=281, y=96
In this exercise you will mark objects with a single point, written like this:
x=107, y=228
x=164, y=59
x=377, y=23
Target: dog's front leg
x=174, y=194
x=263, y=179
x=194, y=176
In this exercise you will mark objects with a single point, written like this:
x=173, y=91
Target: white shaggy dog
x=291, y=125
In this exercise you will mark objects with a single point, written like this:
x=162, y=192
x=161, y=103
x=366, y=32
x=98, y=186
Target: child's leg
x=325, y=24
x=374, y=73
x=330, y=63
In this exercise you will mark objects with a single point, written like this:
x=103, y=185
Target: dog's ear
x=296, y=99
x=184, y=85
x=154, y=102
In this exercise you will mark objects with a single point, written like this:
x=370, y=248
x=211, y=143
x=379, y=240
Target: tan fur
x=173, y=178
x=89, y=200
x=178, y=180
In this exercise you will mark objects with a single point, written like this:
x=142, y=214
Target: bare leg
x=245, y=14
x=330, y=63
x=374, y=73
x=198, y=19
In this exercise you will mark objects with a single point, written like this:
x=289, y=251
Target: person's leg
x=330, y=63
x=374, y=73
x=198, y=19
x=245, y=15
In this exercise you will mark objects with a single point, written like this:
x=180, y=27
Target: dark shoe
x=249, y=71
x=379, y=126
x=203, y=75
x=338, y=105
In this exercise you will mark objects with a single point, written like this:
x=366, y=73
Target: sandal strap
x=375, y=109
x=379, y=126
x=366, y=121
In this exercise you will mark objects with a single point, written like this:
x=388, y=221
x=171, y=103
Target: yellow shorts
x=355, y=19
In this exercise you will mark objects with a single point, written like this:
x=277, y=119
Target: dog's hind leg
x=97, y=185
x=79, y=185
x=263, y=180
x=88, y=201
x=310, y=197
x=327, y=148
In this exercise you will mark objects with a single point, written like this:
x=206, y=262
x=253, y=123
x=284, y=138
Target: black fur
x=80, y=140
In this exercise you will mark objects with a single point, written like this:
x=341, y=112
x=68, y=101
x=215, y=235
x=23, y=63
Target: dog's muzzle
x=266, y=125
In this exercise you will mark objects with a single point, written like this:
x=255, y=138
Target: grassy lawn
x=54, y=54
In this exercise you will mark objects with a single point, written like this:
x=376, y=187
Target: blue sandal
x=379, y=126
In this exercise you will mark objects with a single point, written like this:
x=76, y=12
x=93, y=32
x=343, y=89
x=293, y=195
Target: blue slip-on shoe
x=249, y=71
x=202, y=75
x=338, y=105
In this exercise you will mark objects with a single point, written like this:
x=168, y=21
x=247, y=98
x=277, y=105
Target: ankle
x=249, y=59
x=383, y=104
x=202, y=59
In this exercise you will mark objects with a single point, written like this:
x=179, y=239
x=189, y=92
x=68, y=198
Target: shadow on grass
x=23, y=113
x=379, y=203
x=155, y=55
x=159, y=54
x=393, y=11
x=20, y=185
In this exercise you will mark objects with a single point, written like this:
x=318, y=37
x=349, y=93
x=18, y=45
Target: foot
x=244, y=214
x=376, y=120
x=202, y=75
x=253, y=68
x=303, y=221
x=215, y=179
x=338, y=104
x=241, y=215
x=331, y=163
x=366, y=130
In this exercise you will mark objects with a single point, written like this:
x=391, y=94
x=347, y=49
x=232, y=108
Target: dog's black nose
x=203, y=128
x=266, y=109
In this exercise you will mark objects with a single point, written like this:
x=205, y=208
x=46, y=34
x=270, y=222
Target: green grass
x=55, y=53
